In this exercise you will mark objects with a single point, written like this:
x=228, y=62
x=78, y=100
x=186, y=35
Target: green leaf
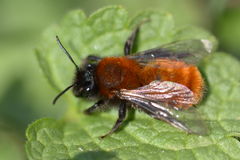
x=227, y=29
x=76, y=136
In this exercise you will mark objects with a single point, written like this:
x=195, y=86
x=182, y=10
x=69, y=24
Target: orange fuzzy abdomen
x=174, y=71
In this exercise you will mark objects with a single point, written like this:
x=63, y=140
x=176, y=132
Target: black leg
x=121, y=116
x=99, y=104
x=93, y=58
x=132, y=38
x=130, y=42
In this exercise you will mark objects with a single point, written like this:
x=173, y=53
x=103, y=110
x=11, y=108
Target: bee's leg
x=121, y=116
x=93, y=58
x=130, y=41
x=98, y=105
x=132, y=38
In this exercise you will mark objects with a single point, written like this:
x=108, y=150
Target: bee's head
x=84, y=82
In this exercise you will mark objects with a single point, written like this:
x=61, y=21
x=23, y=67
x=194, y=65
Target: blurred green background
x=24, y=93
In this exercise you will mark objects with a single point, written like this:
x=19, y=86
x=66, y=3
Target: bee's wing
x=171, y=93
x=159, y=100
x=190, y=51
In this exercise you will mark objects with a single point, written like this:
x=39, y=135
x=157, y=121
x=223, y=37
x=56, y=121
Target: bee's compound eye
x=87, y=83
x=89, y=66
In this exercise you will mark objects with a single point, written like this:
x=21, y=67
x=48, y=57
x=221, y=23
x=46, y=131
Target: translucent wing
x=167, y=92
x=163, y=101
x=190, y=51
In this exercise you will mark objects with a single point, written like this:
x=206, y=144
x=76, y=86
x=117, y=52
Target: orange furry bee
x=158, y=81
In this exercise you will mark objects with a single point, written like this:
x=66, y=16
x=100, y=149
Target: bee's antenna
x=61, y=93
x=66, y=52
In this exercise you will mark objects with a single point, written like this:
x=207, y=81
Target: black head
x=84, y=82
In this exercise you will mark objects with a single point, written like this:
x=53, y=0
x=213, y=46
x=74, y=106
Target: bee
x=163, y=82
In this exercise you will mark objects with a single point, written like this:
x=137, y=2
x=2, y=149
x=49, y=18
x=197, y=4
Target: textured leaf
x=77, y=135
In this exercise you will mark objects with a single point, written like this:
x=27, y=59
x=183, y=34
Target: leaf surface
x=76, y=136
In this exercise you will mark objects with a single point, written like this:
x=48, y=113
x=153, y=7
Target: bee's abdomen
x=174, y=71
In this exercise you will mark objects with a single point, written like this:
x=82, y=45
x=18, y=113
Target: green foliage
x=227, y=29
x=9, y=145
x=76, y=136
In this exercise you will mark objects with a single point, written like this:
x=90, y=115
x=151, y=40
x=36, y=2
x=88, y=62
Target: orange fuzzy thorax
x=117, y=73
